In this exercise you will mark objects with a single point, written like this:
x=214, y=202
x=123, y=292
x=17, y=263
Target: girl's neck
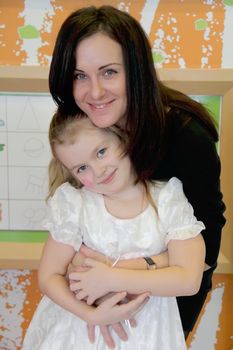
x=127, y=204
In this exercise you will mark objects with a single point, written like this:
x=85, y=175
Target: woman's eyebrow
x=100, y=68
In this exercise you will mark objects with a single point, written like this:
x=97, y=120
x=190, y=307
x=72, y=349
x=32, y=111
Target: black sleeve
x=197, y=165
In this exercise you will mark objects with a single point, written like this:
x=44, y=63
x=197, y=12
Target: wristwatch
x=151, y=265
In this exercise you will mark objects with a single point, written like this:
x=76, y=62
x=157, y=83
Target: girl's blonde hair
x=64, y=129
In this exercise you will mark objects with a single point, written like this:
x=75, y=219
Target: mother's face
x=99, y=80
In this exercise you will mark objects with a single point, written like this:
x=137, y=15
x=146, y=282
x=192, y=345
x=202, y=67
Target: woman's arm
x=134, y=264
x=181, y=277
x=52, y=282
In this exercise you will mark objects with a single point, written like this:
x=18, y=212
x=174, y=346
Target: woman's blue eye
x=80, y=76
x=81, y=169
x=101, y=152
x=110, y=72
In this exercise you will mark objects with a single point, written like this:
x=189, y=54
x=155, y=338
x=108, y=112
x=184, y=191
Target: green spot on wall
x=2, y=147
x=200, y=24
x=23, y=236
x=228, y=2
x=213, y=104
x=28, y=32
x=158, y=57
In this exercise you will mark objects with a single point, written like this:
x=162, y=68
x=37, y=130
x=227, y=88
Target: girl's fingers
x=81, y=295
x=74, y=286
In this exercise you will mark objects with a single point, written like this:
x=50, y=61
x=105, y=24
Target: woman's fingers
x=91, y=333
x=106, y=334
x=115, y=299
x=138, y=303
x=120, y=331
x=93, y=254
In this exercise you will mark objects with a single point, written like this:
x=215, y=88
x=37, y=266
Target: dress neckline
x=101, y=200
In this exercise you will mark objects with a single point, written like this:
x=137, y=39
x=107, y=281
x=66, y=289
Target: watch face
x=151, y=265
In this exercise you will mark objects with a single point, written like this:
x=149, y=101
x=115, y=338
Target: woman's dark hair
x=147, y=98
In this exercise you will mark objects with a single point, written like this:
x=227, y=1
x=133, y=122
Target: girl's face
x=95, y=159
x=99, y=87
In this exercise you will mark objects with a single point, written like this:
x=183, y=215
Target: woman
x=102, y=64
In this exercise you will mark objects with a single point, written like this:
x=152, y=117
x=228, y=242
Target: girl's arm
x=181, y=277
x=52, y=282
x=55, y=259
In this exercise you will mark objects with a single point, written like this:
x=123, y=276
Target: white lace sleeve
x=63, y=218
x=176, y=213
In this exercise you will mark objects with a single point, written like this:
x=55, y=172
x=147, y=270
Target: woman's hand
x=88, y=282
x=87, y=252
x=118, y=327
x=114, y=310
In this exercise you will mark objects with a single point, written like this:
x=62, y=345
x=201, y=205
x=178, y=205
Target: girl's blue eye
x=101, y=152
x=81, y=169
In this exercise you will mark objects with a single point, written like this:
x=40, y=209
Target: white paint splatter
x=39, y=14
x=204, y=62
x=227, y=50
x=11, y=304
x=205, y=336
x=147, y=14
x=182, y=63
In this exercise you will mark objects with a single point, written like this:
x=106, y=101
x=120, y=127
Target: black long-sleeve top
x=192, y=157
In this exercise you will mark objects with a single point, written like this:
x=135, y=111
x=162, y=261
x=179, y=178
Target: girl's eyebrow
x=100, y=68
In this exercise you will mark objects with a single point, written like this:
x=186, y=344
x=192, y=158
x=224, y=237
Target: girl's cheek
x=87, y=182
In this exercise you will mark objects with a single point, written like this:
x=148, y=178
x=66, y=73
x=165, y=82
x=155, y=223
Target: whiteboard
x=24, y=159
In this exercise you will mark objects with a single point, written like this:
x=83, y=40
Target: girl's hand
x=112, y=311
x=88, y=282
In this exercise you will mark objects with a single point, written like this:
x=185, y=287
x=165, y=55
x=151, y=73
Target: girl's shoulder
x=69, y=192
x=65, y=192
x=174, y=210
x=170, y=188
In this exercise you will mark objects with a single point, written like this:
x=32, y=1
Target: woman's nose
x=97, y=89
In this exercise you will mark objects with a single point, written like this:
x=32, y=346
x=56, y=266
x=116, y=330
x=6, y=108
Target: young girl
x=121, y=218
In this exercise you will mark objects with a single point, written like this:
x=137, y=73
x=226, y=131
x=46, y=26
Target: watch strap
x=151, y=265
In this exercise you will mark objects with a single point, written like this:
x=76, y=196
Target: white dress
x=78, y=216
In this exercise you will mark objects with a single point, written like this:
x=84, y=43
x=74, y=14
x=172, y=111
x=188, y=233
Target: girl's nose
x=100, y=171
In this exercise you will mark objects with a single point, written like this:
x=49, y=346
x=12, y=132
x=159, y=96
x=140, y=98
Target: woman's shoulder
x=187, y=128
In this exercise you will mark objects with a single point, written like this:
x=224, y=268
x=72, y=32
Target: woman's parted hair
x=142, y=86
x=147, y=98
